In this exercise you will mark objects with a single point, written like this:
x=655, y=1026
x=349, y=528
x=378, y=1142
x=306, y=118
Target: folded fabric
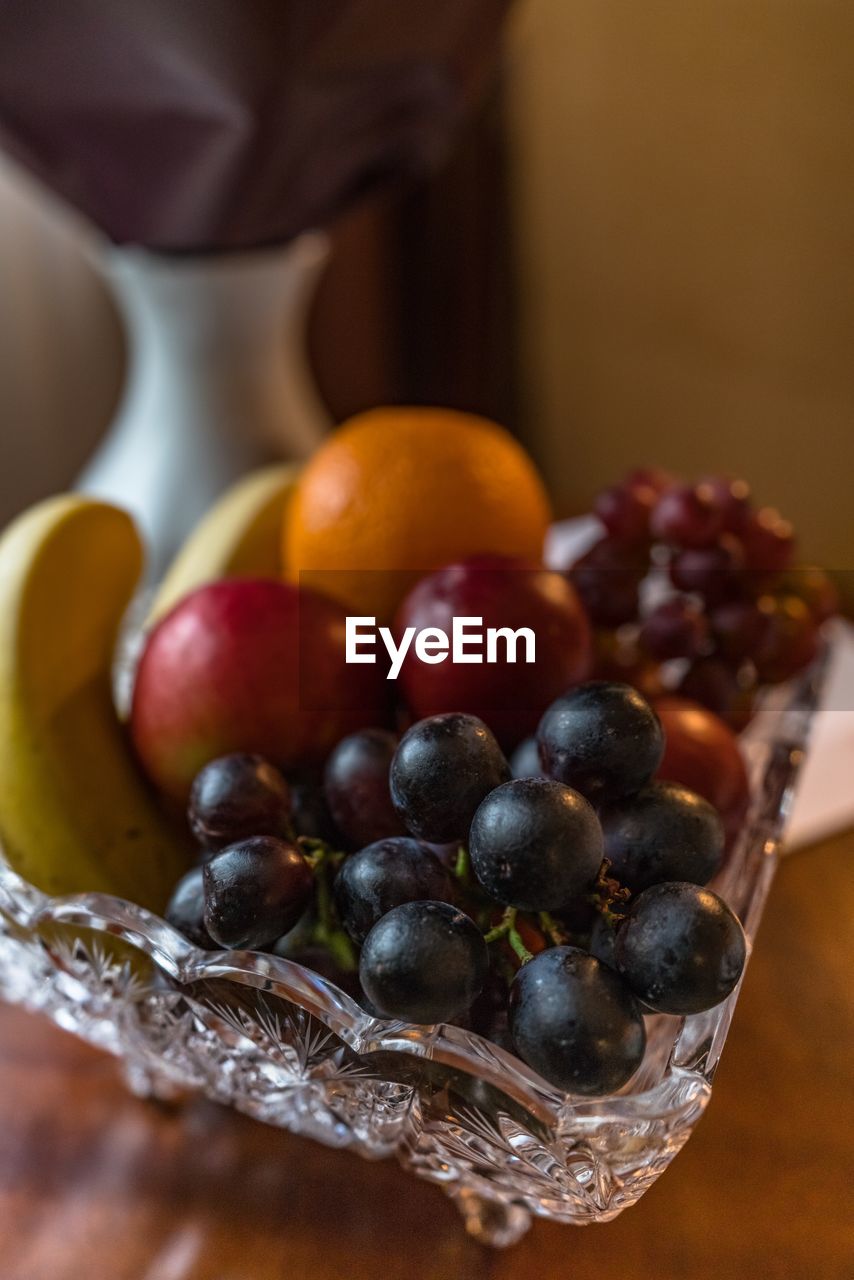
x=222, y=124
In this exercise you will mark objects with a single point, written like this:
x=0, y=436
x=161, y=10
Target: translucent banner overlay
x=737, y=633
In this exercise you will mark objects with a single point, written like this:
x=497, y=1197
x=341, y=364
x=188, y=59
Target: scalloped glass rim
x=589, y=1158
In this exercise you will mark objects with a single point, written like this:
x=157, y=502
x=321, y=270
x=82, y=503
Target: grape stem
x=608, y=896
x=507, y=929
x=327, y=931
x=555, y=933
x=462, y=866
x=317, y=852
x=474, y=900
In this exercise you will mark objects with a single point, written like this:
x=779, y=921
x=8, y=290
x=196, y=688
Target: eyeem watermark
x=468, y=642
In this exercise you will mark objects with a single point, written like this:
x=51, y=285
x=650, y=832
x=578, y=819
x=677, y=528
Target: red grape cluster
x=549, y=912
x=697, y=576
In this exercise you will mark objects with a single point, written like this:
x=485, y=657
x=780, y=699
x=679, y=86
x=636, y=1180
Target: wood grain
x=96, y=1185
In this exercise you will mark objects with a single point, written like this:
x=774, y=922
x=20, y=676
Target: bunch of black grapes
x=548, y=912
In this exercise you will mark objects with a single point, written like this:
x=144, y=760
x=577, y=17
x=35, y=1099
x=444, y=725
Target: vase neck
x=234, y=302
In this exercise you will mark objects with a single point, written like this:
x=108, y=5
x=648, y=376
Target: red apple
x=248, y=665
x=702, y=753
x=504, y=592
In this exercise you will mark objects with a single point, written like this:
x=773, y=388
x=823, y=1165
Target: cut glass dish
x=284, y=1045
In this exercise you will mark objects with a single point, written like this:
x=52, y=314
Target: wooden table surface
x=96, y=1185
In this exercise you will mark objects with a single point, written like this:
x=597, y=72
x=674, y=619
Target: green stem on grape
x=515, y=940
x=554, y=931
x=317, y=851
x=501, y=930
x=507, y=929
x=327, y=931
x=342, y=951
x=462, y=866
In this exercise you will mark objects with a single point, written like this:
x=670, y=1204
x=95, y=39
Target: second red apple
x=503, y=592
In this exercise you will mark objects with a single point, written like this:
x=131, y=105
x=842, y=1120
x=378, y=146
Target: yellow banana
x=75, y=812
x=241, y=536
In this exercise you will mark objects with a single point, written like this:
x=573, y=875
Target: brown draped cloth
x=196, y=125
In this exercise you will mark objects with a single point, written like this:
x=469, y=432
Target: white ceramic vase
x=218, y=380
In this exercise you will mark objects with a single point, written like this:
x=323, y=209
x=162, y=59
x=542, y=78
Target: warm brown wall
x=685, y=210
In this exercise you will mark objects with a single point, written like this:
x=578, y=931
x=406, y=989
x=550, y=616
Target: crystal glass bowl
x=281, y=1043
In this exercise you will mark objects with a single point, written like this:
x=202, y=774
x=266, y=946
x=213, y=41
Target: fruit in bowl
x=248, y=664
x=697, y=581
x=520, y=908
x=232, y=671
x=508, y=594
x=702, y=752
x=373, y=828
x=75, y=812
x=397, y=492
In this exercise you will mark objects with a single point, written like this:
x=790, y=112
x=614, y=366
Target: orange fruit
x=397, y=492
